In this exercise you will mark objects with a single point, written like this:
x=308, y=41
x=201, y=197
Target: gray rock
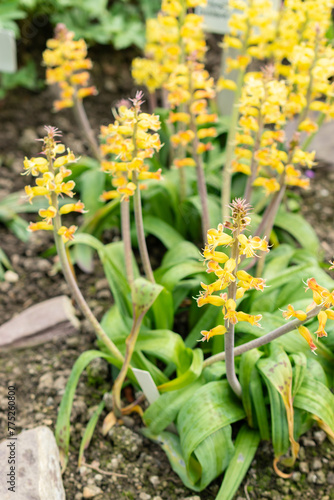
x=45, y=382
x=320, y=436
x=154, y=480
x=321, y=478
x=36, y=468
x=330, y=478
x=11, y=276
x=308, y=442
x=312, y=477
x=102, y=284
x=144, y=496
x=98, y=369
x=91, y=491
x=126, y=441
x=316, y=464
x=296, y=476
x=303, y=467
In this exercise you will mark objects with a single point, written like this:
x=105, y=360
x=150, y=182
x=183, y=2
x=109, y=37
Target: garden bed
x=41, y=373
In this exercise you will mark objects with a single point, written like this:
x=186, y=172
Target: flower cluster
x=252, y=28
x=171, y=37
x=68, y=65
x=321, y=297
x=130, y=141
x=258, y=152
x=226, y=269
x=50, y=172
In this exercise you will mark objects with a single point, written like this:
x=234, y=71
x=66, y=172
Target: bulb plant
x=255, y=360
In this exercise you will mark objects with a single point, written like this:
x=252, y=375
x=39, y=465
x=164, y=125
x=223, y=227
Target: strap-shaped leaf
x=161, y=230
x=299, y=228
x=245, y=448
x=246, y=369
x=277, y=371
x=192, y=373
x=63, y=419
x=260, y=411
x=89, y=431
x=317, y=399
x=164, y=410
x=298, y=371
x=211, y=408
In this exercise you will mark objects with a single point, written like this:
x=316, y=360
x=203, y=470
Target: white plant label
x=147, y=384
x=216, y=15
x=7, y=51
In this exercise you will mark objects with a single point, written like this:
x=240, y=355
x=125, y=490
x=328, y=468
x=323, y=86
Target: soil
x=136, y=468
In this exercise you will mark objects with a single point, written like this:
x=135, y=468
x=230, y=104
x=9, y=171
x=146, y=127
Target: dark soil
x=40, y=374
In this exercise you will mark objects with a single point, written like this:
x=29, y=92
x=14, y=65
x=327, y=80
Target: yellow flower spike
x=247, y=281
x=65, y=188
x=217, y=330
x=292, y=313
x=210, y=254
x=110, y=195
x=184, y=162
x=305, y=332
x=217, y=237
x=249, y=318
x=127, y=190
x=31, y=192
x=48, y=214
x=320, y=294
x=73, y=207
x=35, y=166
x=67, y=233
x=230, y=312
x=41, y=225
x=215, y=300
x=204, y=133
x=179, y=117
x=270, y=185
x=329, y=313
x=322, y=318
x=150, y=175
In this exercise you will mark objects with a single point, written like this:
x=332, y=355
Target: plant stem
x=265, y=339
x=229, y=335
x=253, y=165
x=76, y=293
x=84, y=125
x=130, y=345
x=227, y=171
x=201, y=184
x=140, y=230
x=310, y=138
x=183, y=184
x=125, y=223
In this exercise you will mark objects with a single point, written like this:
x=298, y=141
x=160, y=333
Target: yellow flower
x=217, y=330
x=305, y=332
x=42, y=225
x=322, y=318
x=292, y=313
x=67, y=233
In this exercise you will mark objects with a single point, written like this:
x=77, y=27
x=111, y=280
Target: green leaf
x=207, y=321
x=245, y=448
x=299, y=228
x=259, y=405
x=315, y=398
x=164, y=410
x=89, y=431
x=192, y=373
x=215, y=401
x=163, y=310
x=170, y=277
x=63, y=419
x=163, y=231
x=246, y=370
x=112, y=258
x=299, y=363
x=144, y=293
x=181, y=252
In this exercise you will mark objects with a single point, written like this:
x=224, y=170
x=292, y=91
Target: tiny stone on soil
x=320, y=436
x=303, y=467
x=91, y=491
x=144, y=496
x=330, y=478
x=11, y=276
x=154, y=480
x=316, y=464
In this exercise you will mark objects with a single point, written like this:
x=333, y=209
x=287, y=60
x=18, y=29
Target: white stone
x=91, y=491
x=37, y=469
x=11, y=276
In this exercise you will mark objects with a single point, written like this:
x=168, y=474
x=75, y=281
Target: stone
x=39, y=323
x=303, y=467
x=296, y=476
x=126, y=441
x=316, y=464
x=312, y=477
x=91, y=491
x=144, y=496
x=330, y=478
x=320, y=436
x=321, y=478
x=11, y=276
x=308, y=442
x=37, y=469
x=45, y=382
x=154, y=480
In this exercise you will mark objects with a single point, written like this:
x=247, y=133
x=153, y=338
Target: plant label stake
x=147, y=384
x=8, y=62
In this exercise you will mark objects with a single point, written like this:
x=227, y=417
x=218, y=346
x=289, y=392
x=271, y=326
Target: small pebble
x=154, y=480
x=330, y=478
x=303, y=467
x=91, y=491
x=320, y=436
x=308, y=442
x=296, y=476
x=316, y=464
x=312, y=477
x=321, y=478
x=144, y=496
x=11, y=276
